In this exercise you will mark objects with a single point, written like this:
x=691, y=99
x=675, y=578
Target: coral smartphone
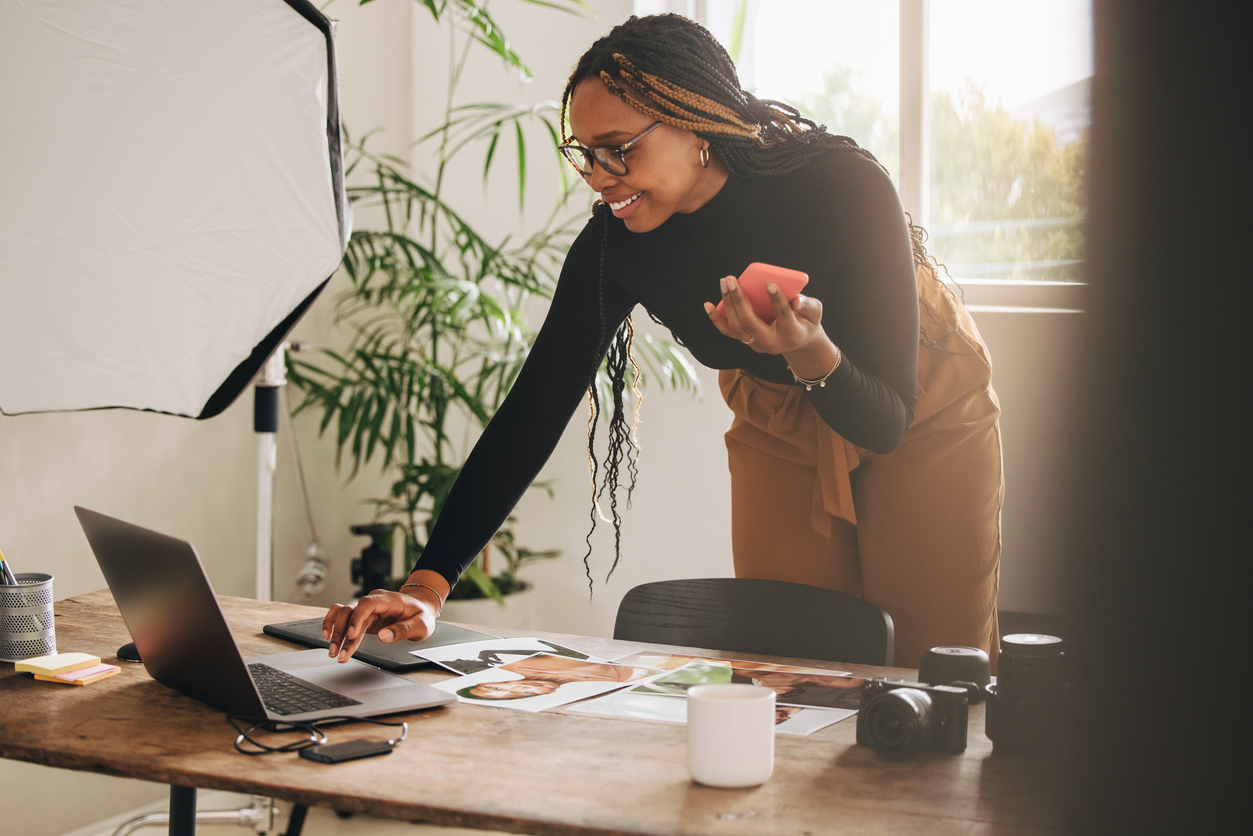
x=753, y=282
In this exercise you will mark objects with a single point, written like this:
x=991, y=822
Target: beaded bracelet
x=819, y=381
x=438, y=597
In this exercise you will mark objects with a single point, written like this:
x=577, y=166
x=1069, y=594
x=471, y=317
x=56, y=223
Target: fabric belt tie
x=775, y=419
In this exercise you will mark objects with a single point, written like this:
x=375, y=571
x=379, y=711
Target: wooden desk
x=497, y=769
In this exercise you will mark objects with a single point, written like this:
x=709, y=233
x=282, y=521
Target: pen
x=6, y=574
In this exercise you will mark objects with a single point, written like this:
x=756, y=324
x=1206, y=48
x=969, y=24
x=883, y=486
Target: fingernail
x=326, y=634
x=386, y=635
x=772, y=288
x=731, y=283
x=722, y=285
x=709, y=308
x=334, y=649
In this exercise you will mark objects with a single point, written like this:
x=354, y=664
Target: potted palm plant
x=436, y=314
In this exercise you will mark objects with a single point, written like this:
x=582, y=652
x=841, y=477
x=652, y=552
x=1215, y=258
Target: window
x=989, y=148
x=1009, y=90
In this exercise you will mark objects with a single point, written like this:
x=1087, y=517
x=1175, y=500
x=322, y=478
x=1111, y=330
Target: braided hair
x=674, y=71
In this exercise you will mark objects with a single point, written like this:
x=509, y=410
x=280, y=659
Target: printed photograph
x=634, y=705
x=673, y=661
x=800, y=722
x=793, y=688
x=807, y=690
x=472, y=657
x=676, y=683
x=543, y=681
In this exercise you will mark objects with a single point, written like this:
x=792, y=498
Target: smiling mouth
x=625, y=203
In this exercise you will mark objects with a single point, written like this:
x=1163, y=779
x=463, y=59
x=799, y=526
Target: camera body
x=898, y=719
x=374, y=568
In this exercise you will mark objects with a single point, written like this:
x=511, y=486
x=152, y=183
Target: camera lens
x=900, y=723
x=1031, y=665
x=1030, y=712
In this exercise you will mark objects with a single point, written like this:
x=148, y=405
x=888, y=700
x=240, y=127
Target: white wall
x=1035, y=356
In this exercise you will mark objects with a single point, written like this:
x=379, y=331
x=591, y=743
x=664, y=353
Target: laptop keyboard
x=283, y=693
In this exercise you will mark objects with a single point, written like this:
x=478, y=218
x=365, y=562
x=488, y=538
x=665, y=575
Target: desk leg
x=182, y=811
x=296, y=823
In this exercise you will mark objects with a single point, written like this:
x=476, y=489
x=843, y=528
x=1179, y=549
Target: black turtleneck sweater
x=836, y=218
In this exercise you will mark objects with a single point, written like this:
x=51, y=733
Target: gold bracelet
x=819, y=381
x=438, y=597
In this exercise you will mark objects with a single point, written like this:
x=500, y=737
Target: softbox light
x=171, y=197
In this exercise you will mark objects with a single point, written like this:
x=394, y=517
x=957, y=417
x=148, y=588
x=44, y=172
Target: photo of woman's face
x=514, y=690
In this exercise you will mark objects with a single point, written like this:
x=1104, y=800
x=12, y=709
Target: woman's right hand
x=392, y=616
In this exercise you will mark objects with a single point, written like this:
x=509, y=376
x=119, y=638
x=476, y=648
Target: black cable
x=260, y=724
x=249, y=727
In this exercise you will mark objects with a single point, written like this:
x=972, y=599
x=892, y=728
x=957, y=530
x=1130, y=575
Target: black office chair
x=745, y=615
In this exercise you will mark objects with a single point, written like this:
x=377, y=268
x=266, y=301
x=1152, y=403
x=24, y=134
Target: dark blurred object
x=1159, y=514
x=959, y=666
x=373, y=570
x=1029, y=712
x=900, y=719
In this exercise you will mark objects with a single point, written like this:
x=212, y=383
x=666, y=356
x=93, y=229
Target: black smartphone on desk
x=350, y=751
x=390, y=656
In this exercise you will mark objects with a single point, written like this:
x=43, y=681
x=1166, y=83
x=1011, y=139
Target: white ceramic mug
x=730, y=734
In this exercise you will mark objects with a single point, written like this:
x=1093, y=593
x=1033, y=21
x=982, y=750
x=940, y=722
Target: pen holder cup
x=26, y=626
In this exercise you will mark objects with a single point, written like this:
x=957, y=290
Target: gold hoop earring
x=704, y=156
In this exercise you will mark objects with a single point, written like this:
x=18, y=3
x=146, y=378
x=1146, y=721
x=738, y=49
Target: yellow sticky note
x=57, y=663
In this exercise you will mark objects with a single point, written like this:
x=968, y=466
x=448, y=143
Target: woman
x=865, y=448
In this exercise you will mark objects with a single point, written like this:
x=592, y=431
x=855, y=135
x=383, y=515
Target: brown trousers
x=916, y=531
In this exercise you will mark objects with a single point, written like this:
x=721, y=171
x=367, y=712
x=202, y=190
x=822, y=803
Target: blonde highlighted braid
x=675, y=72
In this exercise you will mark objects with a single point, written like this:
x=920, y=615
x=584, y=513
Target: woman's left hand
x=795, y=327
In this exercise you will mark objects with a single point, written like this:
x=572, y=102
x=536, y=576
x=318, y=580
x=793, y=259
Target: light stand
x=265, y=424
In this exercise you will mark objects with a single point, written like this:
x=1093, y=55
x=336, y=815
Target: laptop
x=183, y=639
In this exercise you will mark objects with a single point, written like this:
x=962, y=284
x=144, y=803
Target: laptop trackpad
x=347, y=678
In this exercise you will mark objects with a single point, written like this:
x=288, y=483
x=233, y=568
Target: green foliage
x=1006, y=198
x=737, y=31
x=438, y=337
x=987, y=166
x=482, y=29
x=848, y=112
x=484, y=584
x=436, y=313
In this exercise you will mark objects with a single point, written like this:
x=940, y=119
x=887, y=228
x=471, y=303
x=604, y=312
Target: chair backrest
x=747, y=615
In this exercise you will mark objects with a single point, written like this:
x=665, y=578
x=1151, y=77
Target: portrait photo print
x=543, y=681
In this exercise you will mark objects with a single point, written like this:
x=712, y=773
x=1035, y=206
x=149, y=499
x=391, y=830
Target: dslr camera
x=900, y=719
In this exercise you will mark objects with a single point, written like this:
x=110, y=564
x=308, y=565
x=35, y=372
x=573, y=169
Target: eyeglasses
x=612, y=158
